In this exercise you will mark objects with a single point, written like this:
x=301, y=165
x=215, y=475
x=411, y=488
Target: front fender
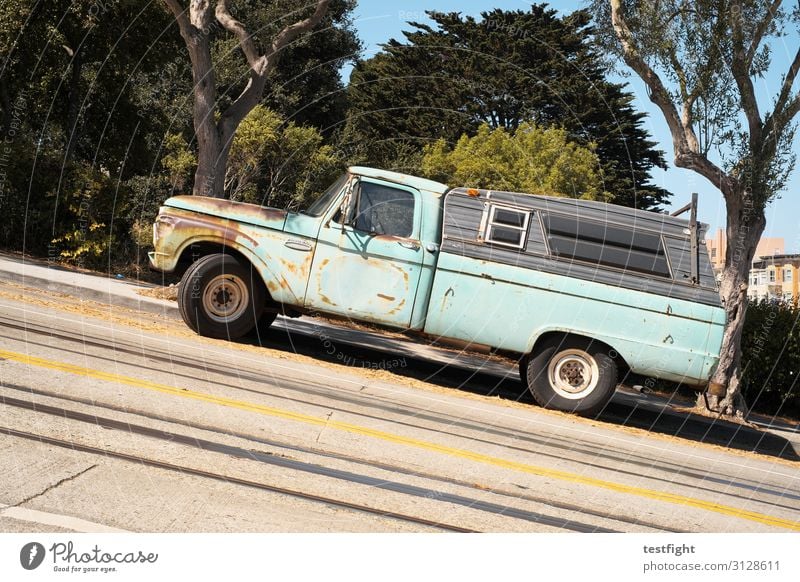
x=175, y=234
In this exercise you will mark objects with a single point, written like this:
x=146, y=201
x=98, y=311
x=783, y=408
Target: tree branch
x=786, y=88
x=200, y=14
x=251, y=94
x=288, y=34
x=658, y=93
x=699, y=163
x=182, y=19
x=761, y=29
x=780, y=119
x=740, y=67
x=244, y=103
x=237, y=28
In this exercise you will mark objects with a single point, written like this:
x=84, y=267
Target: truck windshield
x=321, y=204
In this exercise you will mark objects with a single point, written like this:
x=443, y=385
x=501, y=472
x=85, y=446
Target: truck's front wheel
x=221, y=298
x=572, y=374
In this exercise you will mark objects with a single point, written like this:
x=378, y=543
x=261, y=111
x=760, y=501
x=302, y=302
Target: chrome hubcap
x=573, y=374
x=225, y=298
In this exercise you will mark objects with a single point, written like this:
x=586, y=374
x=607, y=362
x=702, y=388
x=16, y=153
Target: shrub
x=771, y=357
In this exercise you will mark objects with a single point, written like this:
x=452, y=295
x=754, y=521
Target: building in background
x=774, y=278
x=716, y=249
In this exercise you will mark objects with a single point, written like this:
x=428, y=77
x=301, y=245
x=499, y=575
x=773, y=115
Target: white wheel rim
x=225, y=298
x=573, y=374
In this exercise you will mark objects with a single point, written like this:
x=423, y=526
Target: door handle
x=298, y=245
x=407, y=244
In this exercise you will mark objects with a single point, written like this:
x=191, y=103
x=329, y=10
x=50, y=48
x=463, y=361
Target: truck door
x=368, y=259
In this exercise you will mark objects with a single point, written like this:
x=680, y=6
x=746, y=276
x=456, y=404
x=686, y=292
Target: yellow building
x=775, y=278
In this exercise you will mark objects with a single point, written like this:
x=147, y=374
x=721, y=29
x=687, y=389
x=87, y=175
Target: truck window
x=606, y=244
x=507, y=226
x=385, y=210
x=322, y=203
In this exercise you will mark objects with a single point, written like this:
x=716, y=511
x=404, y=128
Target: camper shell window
x=606, y=244
x=507, y=226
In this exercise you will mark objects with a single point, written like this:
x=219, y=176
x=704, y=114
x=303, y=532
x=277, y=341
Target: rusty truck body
x=582, y=292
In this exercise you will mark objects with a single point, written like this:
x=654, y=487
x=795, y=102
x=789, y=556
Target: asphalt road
x=113, y=419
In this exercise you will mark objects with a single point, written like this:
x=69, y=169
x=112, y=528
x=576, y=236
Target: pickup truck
x=582, y=293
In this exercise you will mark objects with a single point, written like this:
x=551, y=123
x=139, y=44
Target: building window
x=713, y=253
x=606, y=244
x=762, y=278
x=507, y=226
x=771, y=276
x=787, y=274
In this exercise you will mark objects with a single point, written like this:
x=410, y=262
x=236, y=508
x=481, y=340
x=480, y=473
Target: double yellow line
x=404, y=440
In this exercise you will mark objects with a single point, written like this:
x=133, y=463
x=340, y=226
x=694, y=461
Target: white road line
x=57, y=520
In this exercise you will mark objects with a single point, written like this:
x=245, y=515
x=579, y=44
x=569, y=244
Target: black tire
x=523, y=371
x=572, y=374
x=265, y=322
x=221, y=298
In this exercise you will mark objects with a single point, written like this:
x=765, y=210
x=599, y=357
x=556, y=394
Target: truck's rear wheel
x=221, y=298
x=572, y=374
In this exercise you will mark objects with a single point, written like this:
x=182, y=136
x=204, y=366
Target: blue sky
x=378, y=21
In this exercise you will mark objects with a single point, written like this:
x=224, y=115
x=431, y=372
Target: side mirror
x=347, y=201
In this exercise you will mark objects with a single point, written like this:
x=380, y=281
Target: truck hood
x=235, y=211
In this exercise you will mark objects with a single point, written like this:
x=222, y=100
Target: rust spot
x=190, y=227
x=323, y=263
x=233, y=210
x=387, y=297
x=398, y=308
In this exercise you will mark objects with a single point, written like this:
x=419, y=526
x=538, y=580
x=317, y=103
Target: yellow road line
x=407, y=441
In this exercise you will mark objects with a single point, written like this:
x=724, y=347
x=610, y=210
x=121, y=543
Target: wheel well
x=196, y=251
x=622, y=366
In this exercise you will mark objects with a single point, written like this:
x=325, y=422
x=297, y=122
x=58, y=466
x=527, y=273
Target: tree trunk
x=745, y=224
x=209, y=178
x=74, y=103
x=214, y=137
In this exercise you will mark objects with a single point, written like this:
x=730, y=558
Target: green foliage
x=771, y=358
x=277, y=163
x=506, y=69
x=178, y=160
x=530, y=159
x=96, y=118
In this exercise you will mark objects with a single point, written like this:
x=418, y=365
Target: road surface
x=112, y=419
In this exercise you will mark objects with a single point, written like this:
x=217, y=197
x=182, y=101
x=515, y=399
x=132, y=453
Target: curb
x=148, y=304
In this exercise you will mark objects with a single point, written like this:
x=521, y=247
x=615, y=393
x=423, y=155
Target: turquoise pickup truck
x=582, y=293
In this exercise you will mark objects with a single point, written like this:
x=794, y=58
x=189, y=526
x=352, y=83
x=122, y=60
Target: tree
x=530, y=159
x=278, y=163
x=71, y=130
x=307, y=87
x=699, y=61
x=215, y=128
x=505, y=69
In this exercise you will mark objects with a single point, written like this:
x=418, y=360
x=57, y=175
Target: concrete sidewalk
x=94, y=287
x=775, y=437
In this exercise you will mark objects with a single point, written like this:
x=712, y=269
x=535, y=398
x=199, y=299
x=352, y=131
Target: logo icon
x=31, y=555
